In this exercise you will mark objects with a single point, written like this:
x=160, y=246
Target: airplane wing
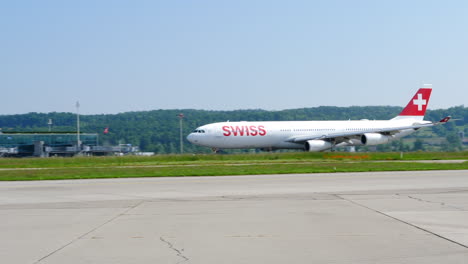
x=341, y=136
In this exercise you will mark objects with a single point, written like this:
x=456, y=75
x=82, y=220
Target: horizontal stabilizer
x=445, y=119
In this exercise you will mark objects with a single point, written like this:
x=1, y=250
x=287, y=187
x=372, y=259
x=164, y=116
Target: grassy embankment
x=213, y=165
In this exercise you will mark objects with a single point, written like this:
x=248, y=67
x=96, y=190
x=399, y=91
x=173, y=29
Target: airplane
x=315, y=136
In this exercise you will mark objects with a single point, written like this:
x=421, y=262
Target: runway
x=377, y=217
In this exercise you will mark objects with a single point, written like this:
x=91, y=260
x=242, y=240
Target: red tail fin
x=418, y=104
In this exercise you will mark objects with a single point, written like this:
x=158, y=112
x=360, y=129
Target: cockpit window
x=199, y=131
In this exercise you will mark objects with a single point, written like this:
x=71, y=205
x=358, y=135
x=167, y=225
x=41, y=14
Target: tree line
x=158, y=130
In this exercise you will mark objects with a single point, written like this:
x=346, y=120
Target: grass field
x=215, y=165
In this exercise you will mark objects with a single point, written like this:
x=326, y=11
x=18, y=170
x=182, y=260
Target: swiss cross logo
x=420, y=102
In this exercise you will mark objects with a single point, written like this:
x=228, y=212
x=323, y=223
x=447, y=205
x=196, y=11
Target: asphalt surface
x=382, y=217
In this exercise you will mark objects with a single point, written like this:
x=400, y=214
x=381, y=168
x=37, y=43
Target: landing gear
x=268, y=149
x=333, y=142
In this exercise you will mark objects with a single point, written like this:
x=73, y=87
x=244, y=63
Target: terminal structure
x=46, y=144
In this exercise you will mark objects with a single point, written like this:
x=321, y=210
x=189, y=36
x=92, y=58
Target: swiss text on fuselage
x=244, y=131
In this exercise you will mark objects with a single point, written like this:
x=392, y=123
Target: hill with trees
x=158, y=130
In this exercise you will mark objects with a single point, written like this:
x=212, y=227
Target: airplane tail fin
x=416, y=108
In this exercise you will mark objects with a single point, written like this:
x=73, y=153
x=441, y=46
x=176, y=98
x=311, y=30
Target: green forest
x=158, y=130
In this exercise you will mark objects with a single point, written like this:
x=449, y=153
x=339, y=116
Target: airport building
x=48, y=144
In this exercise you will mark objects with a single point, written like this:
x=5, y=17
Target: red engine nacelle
x=317, y=145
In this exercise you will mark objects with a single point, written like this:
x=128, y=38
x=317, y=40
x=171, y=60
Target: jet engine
x=317, y=145
x=371, y=139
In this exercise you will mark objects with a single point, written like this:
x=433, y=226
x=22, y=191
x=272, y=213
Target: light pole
x=78, y=142
x=50, y=124
x=181, y=116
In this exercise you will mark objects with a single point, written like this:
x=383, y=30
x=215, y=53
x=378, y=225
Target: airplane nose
x=190, y=138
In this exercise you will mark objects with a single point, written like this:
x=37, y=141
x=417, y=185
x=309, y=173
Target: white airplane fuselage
x=276, y=134
x=315, y=135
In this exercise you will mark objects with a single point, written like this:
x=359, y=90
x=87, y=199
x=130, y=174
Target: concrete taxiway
x=383, y=217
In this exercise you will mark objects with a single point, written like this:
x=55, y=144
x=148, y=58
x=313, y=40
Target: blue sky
x=118, y=56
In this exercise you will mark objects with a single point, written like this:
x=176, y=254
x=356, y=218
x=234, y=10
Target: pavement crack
x=422, y=200
x=89, y=232
x=178, y=251
x=404, y=222
x=427, y=201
